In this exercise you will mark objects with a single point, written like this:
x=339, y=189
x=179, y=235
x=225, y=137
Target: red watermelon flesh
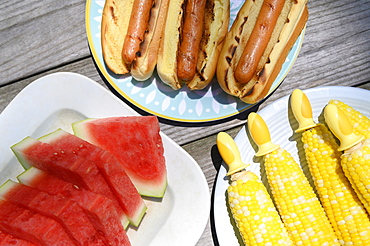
x=68, y=213
x=65, y=165
x=9, y=240
x=98, y=208
x=31, y=226
x=2, y=236
x=136, y=142
x=130, y=200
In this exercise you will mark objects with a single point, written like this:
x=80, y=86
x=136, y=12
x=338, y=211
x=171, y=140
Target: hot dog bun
x=216, y=21
x=146, y=60
x=115, y=23
x=114, y=26
x=290, y=23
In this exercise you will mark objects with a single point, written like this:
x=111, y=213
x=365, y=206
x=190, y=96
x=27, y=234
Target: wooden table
x=43, y=37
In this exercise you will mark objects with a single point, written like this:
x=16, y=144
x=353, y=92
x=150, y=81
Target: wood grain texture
x=205, y=152
x=336, y=48
x=36, y=36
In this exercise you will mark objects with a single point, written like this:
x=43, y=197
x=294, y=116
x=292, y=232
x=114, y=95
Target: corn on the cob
x=360, y=123
x=254, y=212
x=356, y=164
x=295, y=199
x=344, y=209
x=341, y=204
x=250, y=204
x=355, y=160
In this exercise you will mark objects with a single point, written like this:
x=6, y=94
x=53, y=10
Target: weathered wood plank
x=36, y=36
x=39, y=35
x=206, y=154
x=336, y=46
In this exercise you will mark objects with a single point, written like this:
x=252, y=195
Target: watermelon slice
x=67, y=166
x=68, y=213
x=130, y=200
x=7, y=240
x=30, y=226
x=98, y=208
x=136, y=143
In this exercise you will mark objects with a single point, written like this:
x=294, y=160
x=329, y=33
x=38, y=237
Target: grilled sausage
x=192, y=32
x=246, y=68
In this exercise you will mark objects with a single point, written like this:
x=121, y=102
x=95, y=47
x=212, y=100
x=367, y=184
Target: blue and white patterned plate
x=154, y=97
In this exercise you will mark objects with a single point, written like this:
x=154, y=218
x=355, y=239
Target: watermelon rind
x=80, y=131
x=26, y=176
x=17, y=150
x=5, y=187
x=144, y=187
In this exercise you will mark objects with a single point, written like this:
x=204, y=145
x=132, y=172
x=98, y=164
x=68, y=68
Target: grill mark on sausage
x=192, y=33
x=258, y=41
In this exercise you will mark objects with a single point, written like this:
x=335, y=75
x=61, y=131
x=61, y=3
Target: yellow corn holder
x=355, y=160
x=359, y=122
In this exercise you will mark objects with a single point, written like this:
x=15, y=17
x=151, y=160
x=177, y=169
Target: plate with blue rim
x=155, y=97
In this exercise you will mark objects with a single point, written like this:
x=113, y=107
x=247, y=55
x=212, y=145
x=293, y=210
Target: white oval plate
x=57, y=100
x=153, y=96
x=282, y=124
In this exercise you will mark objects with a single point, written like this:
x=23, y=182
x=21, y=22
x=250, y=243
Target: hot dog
x=136, y=29
x=130, y=35
x=191, y=43
x=192, y=32
x=248, y=71
x=257, y=43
